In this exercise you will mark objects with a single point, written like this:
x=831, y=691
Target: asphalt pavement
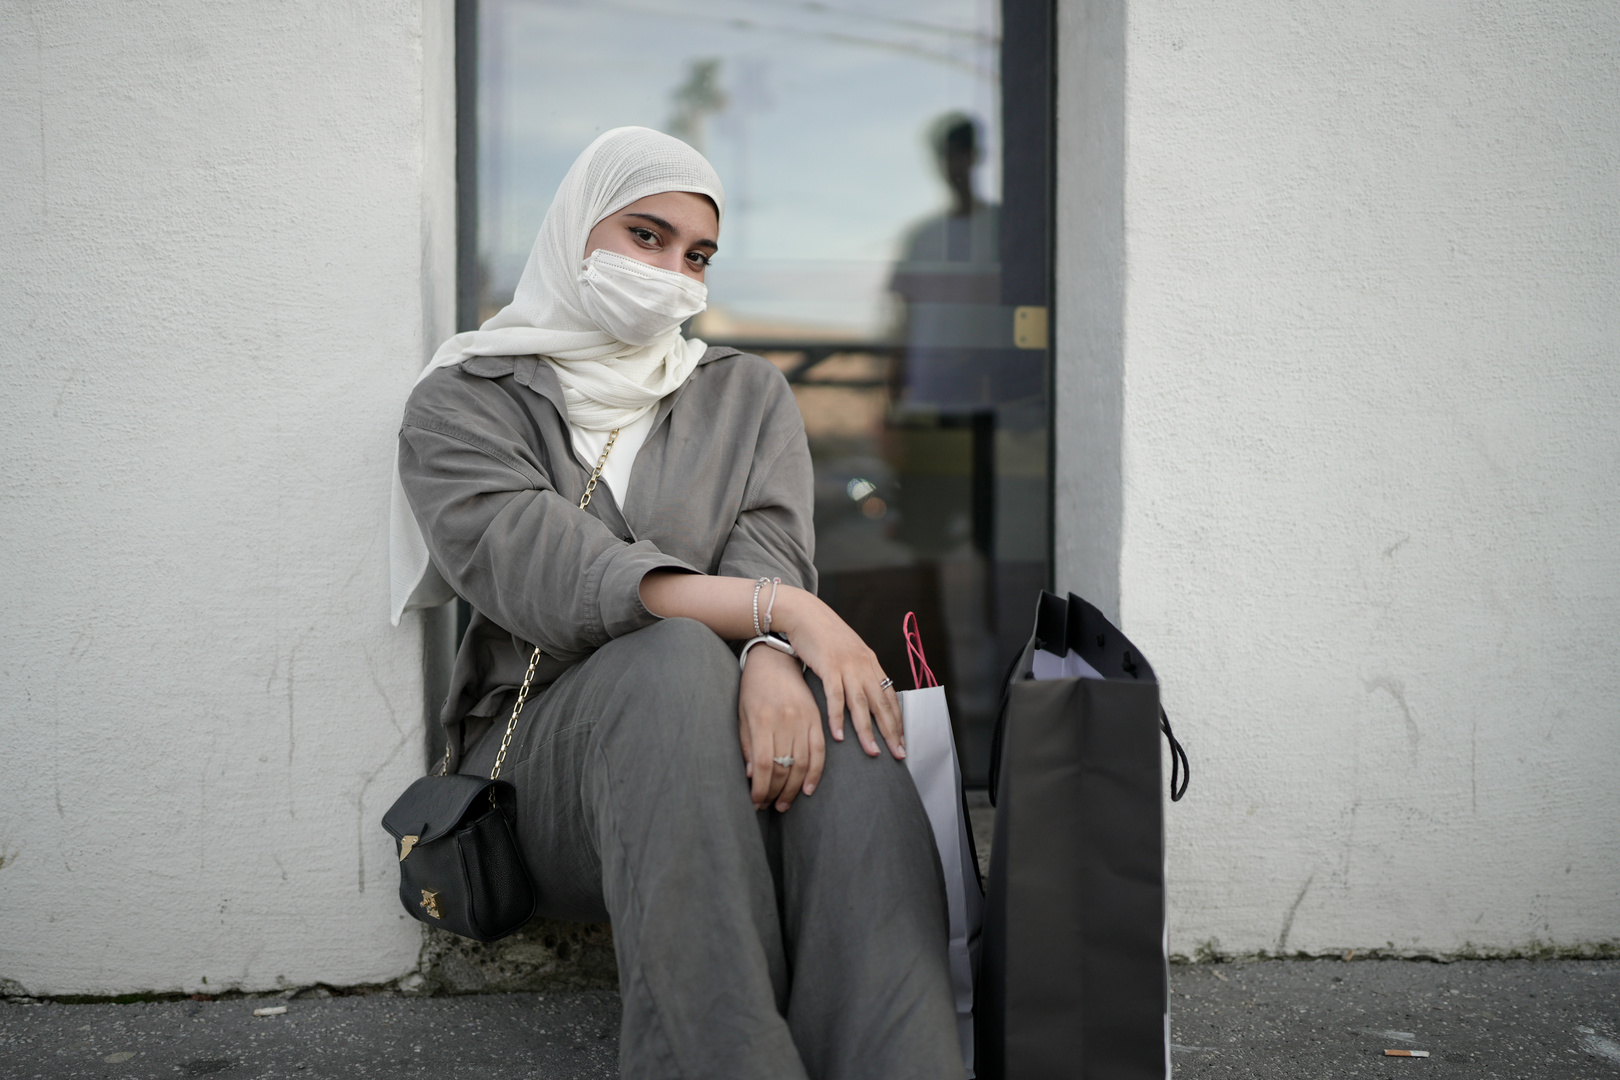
x=1484, y=1019
x=1506, y=1019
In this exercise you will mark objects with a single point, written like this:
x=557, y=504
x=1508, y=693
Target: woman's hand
x=849, y=670
x=778, y=718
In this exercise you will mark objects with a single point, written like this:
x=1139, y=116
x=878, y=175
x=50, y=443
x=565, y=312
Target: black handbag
x=459, y=864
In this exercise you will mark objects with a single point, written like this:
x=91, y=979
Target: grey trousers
x=810, y=944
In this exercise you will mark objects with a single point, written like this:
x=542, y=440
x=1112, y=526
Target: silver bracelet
x=758, y=585
x=776, y=583
x=775, y=641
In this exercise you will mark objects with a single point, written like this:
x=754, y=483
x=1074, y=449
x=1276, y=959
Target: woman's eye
x=699, y=258
x=646, y=236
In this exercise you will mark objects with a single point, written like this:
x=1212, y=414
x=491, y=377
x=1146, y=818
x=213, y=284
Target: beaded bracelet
x=759, y=584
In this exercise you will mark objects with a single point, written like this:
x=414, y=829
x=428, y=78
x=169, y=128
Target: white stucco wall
x=1368, y=526
x=226, y=244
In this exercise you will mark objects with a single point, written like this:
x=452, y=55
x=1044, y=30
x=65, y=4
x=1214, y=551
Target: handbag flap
x=434, y=805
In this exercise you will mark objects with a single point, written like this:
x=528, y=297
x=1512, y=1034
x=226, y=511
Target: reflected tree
x=695, y=100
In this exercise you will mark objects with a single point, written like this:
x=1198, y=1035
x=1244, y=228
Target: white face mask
x=637, y=303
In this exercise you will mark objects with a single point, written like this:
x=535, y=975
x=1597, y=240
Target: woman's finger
x=795, y=775
x=818, y=755
x=746, y=739
x=761, y=766
x=886, y=704
x=862, y=718
x=834, y=688
x=887, y=707
x=780, y=774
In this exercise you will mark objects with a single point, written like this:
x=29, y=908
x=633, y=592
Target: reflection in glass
x=865, y=252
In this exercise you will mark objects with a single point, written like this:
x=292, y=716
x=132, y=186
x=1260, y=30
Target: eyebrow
x=672, y=230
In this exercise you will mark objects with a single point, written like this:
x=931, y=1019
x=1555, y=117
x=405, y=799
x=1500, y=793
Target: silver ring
x=786, y=761
x=886, y=683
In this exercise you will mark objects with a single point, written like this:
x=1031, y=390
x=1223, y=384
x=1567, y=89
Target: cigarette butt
x=270, y=1010
x=1406, y=1053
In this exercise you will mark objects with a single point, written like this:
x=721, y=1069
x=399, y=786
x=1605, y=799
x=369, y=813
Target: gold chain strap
x=511, y=725
x=534, y=658
x=596, y=473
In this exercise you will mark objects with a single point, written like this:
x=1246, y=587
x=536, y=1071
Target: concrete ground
x=1481, y=1019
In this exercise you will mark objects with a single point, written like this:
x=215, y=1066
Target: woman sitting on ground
x=776, y=902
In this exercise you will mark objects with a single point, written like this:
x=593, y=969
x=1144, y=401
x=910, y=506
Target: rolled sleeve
x=774, y=534
x=619, y=605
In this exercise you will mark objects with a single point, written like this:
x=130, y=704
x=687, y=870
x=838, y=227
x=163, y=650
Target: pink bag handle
x=914, y=653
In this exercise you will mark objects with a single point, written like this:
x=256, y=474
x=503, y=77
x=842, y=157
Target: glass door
x=886, y=244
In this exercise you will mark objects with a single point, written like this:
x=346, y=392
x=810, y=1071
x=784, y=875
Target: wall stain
x=1350, y=835
x=1473, y=761
x=82, y=641
x=1293, y=909
x=360, y=564
x=292, y=733
x=292, y=711
x=1396, y=689
x=371, y=670
x=360, y=819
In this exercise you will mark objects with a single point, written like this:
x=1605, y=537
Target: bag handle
x=1180, y=769
x=914, y=653
x=534, y=657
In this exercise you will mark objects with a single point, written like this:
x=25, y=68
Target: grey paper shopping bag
x=1073, y=980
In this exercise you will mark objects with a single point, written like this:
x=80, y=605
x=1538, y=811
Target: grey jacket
x=723, y=485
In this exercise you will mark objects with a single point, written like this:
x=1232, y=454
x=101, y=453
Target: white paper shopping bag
x=931, y=759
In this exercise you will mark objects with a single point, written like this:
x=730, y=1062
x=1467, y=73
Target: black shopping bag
x=1073, y=979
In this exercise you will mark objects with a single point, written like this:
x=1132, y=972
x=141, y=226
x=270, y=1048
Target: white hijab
x=606, y=383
